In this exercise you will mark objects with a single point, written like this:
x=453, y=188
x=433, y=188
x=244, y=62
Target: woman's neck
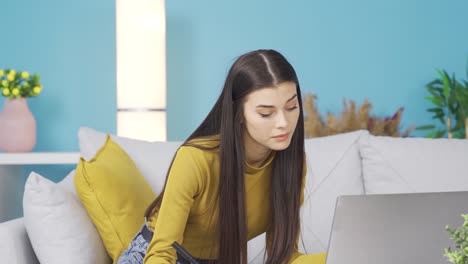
x=255, y=154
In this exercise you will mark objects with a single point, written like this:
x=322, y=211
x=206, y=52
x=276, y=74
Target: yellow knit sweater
x=188, y=212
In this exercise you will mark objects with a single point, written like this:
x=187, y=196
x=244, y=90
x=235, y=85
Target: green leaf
x=439, y=115
x=441, y=119
x=431, y=135
x=459, y=134
x=426, y=127
x=452, y=106
x=435, y=110
x=435, y=91
x=453, y=81
x=446, y=81
x=436, y=84
x=440, y=133
x=435, y=101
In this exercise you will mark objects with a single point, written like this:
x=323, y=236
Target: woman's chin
x=278, y=146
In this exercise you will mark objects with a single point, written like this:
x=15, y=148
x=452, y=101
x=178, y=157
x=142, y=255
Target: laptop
x=395, y=228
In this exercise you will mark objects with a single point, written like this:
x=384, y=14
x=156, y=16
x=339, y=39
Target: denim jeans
x=136, y=251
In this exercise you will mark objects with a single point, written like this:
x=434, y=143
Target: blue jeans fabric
x=136, y=251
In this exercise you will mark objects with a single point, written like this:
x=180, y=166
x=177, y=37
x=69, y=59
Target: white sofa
x=354, y=163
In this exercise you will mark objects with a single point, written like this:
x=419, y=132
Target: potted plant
x=460, y=237
x=17, y=123
x=450, y=99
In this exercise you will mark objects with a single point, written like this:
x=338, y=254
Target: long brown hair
x=252, y=71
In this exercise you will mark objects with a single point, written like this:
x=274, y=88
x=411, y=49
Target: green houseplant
x=460, y=237
x=450, y=106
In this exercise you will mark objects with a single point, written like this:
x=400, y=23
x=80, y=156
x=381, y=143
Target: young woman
x=240, y=174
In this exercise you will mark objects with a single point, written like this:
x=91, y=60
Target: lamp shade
x=142, y=125
x=141, y=68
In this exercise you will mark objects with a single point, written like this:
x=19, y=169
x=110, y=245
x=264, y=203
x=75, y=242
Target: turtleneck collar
x=252, y=169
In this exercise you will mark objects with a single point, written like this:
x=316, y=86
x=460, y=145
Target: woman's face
x=270, y=116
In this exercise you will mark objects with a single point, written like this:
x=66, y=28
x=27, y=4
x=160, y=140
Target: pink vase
x=17, y=127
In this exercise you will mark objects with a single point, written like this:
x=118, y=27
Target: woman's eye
x=264, y=115
x=292, y=108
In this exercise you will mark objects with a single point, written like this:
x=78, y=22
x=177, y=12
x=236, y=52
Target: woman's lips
x=281, y=137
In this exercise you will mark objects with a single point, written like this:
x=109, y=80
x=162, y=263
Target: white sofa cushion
x=406, y=165
x=15, y=246
x=333, y=169
x=58, y=225
x=151, y=158
x=68, y=183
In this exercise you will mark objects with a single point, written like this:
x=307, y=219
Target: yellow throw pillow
x=115, y=194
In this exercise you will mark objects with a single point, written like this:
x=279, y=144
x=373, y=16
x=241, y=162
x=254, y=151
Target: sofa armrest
x=15, y=247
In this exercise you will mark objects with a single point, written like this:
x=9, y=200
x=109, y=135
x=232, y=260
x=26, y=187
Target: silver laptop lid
x=395, y=228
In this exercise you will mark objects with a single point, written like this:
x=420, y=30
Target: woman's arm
x=183, y=185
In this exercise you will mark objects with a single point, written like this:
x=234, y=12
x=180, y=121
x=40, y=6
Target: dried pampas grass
x=352, y=118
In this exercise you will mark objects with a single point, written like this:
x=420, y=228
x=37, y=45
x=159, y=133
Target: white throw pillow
x=333, y=169
x=68, y=183
x=58, y=225
x=406, y=165
x=151, y=158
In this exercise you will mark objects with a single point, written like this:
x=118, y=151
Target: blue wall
x=385, y=51
x=71, y=44
x=381, y=50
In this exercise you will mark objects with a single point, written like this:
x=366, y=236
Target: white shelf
x=36, y=158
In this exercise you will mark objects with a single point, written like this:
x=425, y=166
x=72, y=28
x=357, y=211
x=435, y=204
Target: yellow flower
x=37, y=89
x=25, y=74
x=15, y=91
x=19, y=84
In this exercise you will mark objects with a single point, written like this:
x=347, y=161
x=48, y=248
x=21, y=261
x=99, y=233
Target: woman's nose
x=281, y=120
